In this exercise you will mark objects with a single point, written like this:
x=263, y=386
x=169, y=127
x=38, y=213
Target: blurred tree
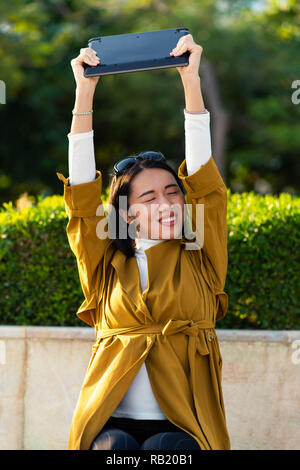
x=248, y=65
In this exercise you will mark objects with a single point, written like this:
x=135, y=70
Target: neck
x=144, y=243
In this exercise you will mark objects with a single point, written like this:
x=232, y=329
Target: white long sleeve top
x=139, y=401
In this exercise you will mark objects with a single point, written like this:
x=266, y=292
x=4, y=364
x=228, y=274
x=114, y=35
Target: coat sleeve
x=82, y=204
x=206, y=195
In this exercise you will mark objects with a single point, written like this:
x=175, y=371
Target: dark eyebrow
x=152, y=191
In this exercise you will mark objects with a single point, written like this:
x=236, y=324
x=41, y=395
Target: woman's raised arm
x=82, y=196
x=85, y=89
x=201, y=178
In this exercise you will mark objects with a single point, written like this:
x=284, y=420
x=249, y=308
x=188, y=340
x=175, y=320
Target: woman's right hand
x=88, y=56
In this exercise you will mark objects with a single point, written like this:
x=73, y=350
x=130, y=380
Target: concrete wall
x=42, y=369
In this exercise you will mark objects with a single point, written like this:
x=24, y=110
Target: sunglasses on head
x=125, y=163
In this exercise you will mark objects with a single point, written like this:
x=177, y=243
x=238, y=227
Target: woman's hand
x=186, y=43
x=88, y=56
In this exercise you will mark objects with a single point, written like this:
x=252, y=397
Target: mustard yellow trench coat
x=170, y=325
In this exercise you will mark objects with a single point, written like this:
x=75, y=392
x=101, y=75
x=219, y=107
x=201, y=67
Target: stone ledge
x=255, y=336
x=47, y=332
x=88, y=334
x=43, y=368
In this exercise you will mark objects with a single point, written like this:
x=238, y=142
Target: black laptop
x=135, y=52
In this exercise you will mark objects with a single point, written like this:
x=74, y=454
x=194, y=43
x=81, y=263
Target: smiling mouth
x=170, y=220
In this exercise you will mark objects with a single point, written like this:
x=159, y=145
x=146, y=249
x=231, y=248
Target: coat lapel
x=128, y=272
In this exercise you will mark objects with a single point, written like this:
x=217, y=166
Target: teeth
x=168, y=220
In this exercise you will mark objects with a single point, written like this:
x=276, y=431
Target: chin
x=174, y=232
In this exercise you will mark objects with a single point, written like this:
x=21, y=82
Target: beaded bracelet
x=82, y=113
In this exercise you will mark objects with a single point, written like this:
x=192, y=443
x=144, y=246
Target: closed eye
x=175, y=192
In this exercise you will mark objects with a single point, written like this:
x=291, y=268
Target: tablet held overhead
x=136, y=52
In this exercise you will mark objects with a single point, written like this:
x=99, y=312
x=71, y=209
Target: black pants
x=143, y=434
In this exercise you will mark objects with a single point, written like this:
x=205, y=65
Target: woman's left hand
x=186, y=43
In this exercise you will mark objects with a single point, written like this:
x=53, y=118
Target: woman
x=154, y=378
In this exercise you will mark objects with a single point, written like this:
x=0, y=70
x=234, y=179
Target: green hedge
x=263, y=268
x=40, y=283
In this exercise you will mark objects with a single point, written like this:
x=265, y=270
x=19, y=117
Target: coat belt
x=200, y=336
x=199, y=332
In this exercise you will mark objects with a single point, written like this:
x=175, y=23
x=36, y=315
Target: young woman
x=154, y=378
